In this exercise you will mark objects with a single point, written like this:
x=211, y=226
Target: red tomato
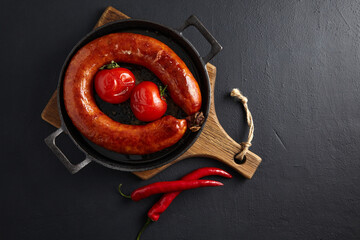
x=146, y=102
x=114, y=85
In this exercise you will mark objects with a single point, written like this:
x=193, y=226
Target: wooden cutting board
x=213, y=141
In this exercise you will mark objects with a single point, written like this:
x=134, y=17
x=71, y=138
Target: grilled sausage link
x=137, y=49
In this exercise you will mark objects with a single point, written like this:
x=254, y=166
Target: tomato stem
x=162, y=91
x=111, y=65
x=121, y=193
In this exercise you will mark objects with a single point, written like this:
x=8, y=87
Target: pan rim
x=202, y=72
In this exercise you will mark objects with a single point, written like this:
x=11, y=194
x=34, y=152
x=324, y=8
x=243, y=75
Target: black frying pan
x=186, y=51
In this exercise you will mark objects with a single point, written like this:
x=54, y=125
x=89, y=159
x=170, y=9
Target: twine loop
x=244, y=145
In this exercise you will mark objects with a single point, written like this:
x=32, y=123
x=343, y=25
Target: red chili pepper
x=170, y=186
x=160, y=206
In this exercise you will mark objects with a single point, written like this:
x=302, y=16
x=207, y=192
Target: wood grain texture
x=110, y=15
x=213, y=142
x=51, y=113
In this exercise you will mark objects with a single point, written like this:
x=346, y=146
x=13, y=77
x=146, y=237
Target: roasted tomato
x=113, y=84
x=147, y=102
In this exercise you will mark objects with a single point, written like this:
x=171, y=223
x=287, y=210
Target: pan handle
x=50, y=141
x=215, y=45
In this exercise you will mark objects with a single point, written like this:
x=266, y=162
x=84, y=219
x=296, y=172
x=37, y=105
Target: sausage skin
x=137, y=49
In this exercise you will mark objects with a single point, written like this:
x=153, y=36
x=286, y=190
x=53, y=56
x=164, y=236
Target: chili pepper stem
x=148, y=221
x=121, y=193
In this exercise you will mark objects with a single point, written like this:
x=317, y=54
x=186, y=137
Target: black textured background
x=298, y=62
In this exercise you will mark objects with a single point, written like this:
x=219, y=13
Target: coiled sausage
x=137, y=49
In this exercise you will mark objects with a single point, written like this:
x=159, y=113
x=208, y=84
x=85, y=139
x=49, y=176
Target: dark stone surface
x=298, y=62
